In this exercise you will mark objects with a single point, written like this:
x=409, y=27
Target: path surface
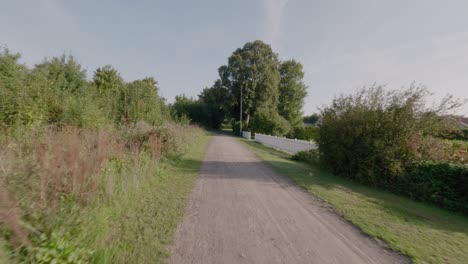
x=241, y=211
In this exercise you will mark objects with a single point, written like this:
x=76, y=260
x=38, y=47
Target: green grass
x=3, y=251
x=137, y=224
x=425, y=233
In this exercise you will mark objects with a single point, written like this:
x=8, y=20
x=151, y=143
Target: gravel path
x=241, y=211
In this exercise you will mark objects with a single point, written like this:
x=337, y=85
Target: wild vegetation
x=390, y=139
x=91, y=170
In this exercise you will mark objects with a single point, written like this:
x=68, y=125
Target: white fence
x=289, y=145
x=246, y=134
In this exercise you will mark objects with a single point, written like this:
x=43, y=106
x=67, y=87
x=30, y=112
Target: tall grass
x=45, y=184
x=77, y=154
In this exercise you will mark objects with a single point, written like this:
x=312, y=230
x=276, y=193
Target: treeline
x=273, y=94
x=57, y=92
x=82, y=164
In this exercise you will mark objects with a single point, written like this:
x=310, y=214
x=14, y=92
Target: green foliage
x=195, y=110
x=377, y=137
x=460, y=134
x=139, y=101
x=59, y=249
x=56, y=92
x=264, y=82
x=305, y=133
x=368, y=136
x=268, y=121
x=214, y=98
x=312, y=119
x=292, y=92
x=11, y=71
x=63, y=73
x=444, y=184
x=235, y=126
x=107, y=78
x=254, y=69
x=310, y=156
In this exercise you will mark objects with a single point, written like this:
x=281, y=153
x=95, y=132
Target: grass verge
x=131, y=219
x=138, y=226
x=425, y=233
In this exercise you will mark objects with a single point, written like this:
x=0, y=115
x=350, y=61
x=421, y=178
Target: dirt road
x=241, y=211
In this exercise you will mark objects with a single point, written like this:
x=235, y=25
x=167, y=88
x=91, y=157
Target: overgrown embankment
x=106, y=196
x=90, y=170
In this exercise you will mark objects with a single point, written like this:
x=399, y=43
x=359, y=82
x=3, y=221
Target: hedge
x=443, y=184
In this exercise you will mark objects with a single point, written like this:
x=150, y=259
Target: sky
x=344, y=45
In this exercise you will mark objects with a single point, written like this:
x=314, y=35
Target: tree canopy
x=275, y=87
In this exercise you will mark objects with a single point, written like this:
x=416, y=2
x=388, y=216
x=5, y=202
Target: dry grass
x=68, y=160
x=67, y=163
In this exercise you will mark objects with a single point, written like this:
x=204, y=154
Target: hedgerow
x=380, y=138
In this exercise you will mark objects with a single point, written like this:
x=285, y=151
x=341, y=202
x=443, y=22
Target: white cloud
x=274, y=11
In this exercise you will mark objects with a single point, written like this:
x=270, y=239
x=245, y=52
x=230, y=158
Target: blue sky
x=344, y=45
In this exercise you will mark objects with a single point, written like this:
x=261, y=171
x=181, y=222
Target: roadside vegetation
x=393, y=167
x=424, y=232
x=391, y=140
x=90, y=170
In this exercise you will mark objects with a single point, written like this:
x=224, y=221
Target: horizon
x=340, y=46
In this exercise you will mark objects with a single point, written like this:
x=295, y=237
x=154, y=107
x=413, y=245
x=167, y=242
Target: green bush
x=235, y=125
x=444, y=184
x=310, y=156
x=305, y=133
x=376, y=137
x=268, y=121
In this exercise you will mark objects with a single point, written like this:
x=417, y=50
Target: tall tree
x=215, y=99
x=107, y=78
x=139, y=100
x=64, y=73
x=254, y=69
x=292, y=92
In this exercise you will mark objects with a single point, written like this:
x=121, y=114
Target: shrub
x=235, y=125
x=268, y=121
x=388, y=139
x=310, y=156
x=305, y=133
x=370, y=136
x=444, y=184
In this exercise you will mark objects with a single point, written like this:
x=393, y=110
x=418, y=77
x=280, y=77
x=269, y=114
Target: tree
x=292, y=92
x=107, y=78
x=215, y=99
x=254, y=69
x=139, y=100
x=312, y=119
x=11, y=71
x=195, y=110
x=64, y=73
x=268, y=121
